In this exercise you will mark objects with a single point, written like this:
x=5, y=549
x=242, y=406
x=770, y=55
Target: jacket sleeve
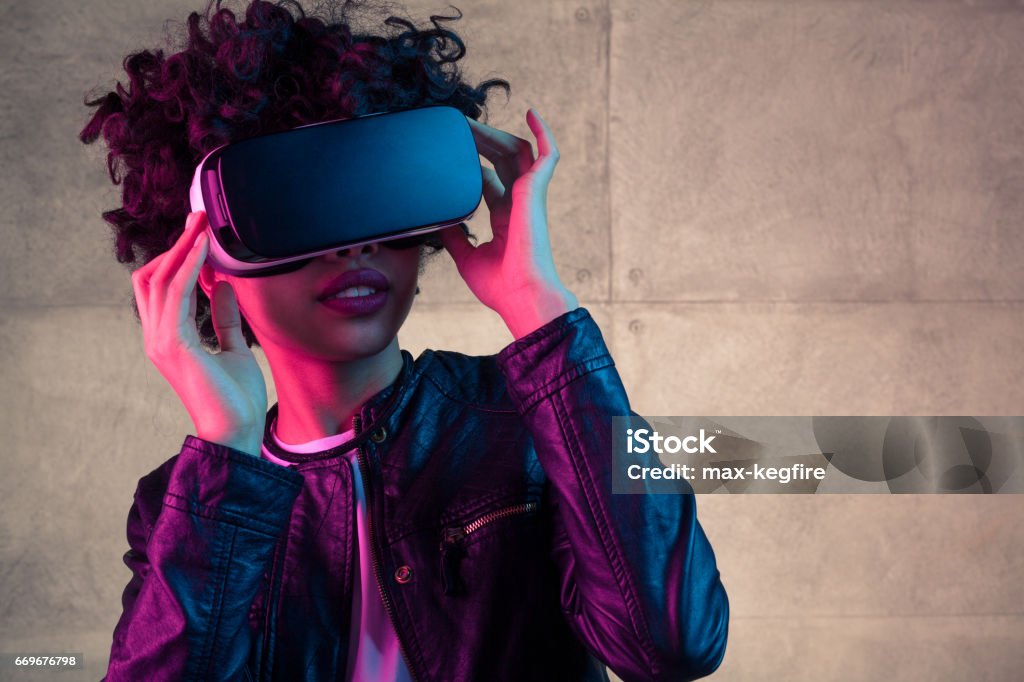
x=640, y=585
x=201, y=533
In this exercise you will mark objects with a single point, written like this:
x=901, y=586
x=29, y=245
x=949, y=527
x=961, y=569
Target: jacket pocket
x=454, y=538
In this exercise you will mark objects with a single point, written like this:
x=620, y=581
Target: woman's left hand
x=514, y=273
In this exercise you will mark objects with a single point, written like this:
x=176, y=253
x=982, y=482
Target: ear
x=207, y=279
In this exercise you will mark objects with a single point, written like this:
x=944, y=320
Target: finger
x=541, y=130
x=171, y=260
x=535, y=182
x=193, y=299
x=227, y=320
x=456, y=243
x=182, y=289
x=494, y=191
x=548, y=154
x=512, y=156
x=139, y=289
x=499, y=204
x=193, y=303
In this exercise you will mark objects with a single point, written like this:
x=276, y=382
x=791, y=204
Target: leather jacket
x=499, y=549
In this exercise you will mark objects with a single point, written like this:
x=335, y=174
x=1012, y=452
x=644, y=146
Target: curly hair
x=271, y=71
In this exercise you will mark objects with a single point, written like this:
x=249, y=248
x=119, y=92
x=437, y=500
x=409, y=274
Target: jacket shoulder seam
x=481, y=407
x=477, y=406
x=573, y=372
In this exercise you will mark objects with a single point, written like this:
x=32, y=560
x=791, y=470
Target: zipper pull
x=451, y=553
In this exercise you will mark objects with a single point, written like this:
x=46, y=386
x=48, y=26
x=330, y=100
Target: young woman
x=448, y=517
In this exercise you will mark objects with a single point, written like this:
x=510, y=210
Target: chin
x=350, y=346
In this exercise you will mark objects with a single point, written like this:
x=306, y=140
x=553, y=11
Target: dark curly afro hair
x=272, y=71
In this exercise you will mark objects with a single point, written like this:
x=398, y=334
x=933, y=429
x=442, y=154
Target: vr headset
x=276, y=201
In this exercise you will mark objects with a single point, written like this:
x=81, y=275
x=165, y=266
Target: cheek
x=407, y=269
x=273, y=306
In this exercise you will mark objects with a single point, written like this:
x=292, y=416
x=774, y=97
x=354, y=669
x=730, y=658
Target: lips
x=364, y=277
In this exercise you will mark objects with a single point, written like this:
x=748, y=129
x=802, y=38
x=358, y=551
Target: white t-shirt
x=374, y=653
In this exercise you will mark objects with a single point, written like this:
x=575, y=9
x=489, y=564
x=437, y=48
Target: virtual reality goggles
x=276, y=201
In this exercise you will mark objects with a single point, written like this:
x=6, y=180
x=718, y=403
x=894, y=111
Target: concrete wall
x=805, y=207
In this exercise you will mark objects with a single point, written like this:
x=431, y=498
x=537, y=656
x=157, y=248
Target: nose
x=352, y=252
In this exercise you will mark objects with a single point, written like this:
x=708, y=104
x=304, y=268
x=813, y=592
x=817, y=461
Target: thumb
x=227, y=320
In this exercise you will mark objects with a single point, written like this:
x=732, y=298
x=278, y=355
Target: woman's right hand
x=224, y=393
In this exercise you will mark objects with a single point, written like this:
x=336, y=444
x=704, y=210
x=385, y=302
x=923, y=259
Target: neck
x=316, y=399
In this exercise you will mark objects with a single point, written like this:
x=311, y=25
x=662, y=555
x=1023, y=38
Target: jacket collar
x=372, y=413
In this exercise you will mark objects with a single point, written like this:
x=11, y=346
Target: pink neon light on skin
x=327, y=362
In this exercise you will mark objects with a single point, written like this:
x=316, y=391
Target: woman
x=448, y=517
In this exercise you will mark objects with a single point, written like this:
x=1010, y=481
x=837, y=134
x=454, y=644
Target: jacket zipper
x=453, y=536
x=361, y=459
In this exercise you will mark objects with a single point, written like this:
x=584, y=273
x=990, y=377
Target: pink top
x=374, y=654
